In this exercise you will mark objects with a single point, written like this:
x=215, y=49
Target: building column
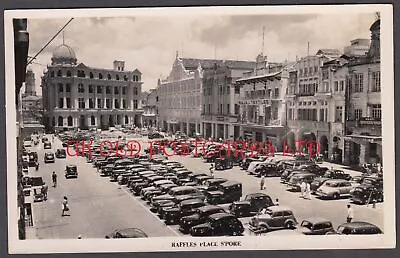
x=75, y=122
x=212, y=130
x=188, y=132
x=64, y=102
x=231, y=131
x=364, y=153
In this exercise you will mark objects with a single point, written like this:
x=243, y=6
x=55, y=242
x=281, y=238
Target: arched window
x=59, y=74
x=68, y=73
x=92, y=120
x=60, y=121
x=126, y=120
x=109, y=76
x=117, y=77
x=70, y=123
x=91, y=75
x=125, y=77
x=100, y=76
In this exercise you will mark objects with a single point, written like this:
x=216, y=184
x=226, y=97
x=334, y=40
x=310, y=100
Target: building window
x=91, y=75
x=92, y=120
x=68, y=102
x=276, y=93
x=108, y=103
x=91, y=103
x=117, y=77
x=52, y=74
x=59, y=73
x=116, y=90
x=135, y=78
x=135, y=104
x=336, y=86
x=227, y=109
x=70, y=121
x=81, y=103
x=135, y=91
x=99, y=103
x=338, y=114
x=109, y=76
x=376, y=111
x=123, y=90
x=116, y=103
x=341, y=85
x=221, y=109
x=100, y=76
x=60, y=121
x=81, y=88
x=99, y=89
x=108, y=90
x=69, y=73
x=60, y=87
x=322, y=115
x=123, y=103
x=91, y=89
x=126, y=120
x=357, y=114
x=376, y=81
x=68, y=87
x=359, y=82
x=81, y=74
x=61, y=102
x=125, y=78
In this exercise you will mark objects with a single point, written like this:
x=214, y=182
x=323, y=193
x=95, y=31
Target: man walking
x=212, y=170
x=65, y=207
x=350, y=213
x=262, y=182
x=308, y=191
x=44, y=189
x=302, y=188
x=54, y=178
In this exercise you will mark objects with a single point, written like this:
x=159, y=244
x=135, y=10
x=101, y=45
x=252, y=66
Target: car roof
x=358, y=224
x=209, y=208
x=131, y=232
x=315, y=220
x=179, y=188
x=229, y=183
x=279, y=208
x=221, y=215
x=336, y=180
x=191, y=201
x=257, y=195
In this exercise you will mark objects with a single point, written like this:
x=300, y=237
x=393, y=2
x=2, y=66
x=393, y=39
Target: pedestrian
x=302, y=188
x=350, y=213
x=44, y=189
x=54, y=178
x=276, y=202
x=65, y=207
x=262, y=182
x=308, y=191
x=212, y=170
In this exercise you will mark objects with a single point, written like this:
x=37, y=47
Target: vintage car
x=181, y=191
x=61, y=154
x=49, y=157
x=223, y=163
x=314, y=168
x=365, y=194
x=106, y=170
x=334, y=189
x=71, y=171
x=211, y=184
x=200, y=216
x=32, y=159
x=271, y=218
x=358, y=228
x=156, y=206
x=295, y=180
x=250, y=205
x=219, y=224
x=315, y=226
x=373, y=180
x=229, y=191
x=267, y=170
x=127, y=233
x=47, y=145
x=337, y=174
x=184, y=208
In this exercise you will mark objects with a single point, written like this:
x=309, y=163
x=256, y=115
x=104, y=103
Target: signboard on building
x=220, y=118
x=255, y=102
x=370, y=121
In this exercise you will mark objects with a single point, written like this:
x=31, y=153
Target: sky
x=150, y=43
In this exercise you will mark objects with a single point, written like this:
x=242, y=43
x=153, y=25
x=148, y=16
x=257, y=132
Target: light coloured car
x=273, y=217
x=335, y=188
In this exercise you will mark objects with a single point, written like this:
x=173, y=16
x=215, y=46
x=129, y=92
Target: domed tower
x=30, y=89
x=63, y=55
x=374, y=50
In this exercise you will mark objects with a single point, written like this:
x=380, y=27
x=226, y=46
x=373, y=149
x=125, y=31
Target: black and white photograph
x=200, y=128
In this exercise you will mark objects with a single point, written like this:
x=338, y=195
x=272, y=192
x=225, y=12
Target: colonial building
x=363, y=140
x=79, y=96
x=32, y=109
x=220, y=111
x=262, y=102
x=149, y=102
x=357, y=47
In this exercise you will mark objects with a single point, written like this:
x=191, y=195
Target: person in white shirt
x=350, y=213
x=308, y=191
x=302, y=188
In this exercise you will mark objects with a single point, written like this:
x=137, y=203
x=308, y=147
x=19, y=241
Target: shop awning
x=367, y=138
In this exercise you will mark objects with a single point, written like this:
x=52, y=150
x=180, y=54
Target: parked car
x=267, y=170
x=295, y=180
x=365, y=194
x=334, y=188
x=47, y=145
x=274, y=217
x=358, y=228
x=200, y=216
x=337, y=174
x=61, y=154
x=185, y=208
x=229, y=191
x=219, y=224
x=32, y=159
x=71, y=171
x=314, y=168
x=250, y=205
x=127, y=233
x=316, y=183
x=315, y=226
x=49, y=157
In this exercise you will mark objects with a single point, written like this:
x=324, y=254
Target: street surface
x=98, y=206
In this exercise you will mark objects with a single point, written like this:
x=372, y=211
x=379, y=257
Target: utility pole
x=308, y=48
x=263, y=38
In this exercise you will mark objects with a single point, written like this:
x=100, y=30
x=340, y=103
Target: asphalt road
x=99, y=206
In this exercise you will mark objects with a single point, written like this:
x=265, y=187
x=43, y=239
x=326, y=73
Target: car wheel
x=264, y=228
x=289, y=225
x=335, y=196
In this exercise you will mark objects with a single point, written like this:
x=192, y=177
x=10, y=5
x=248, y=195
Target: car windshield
x=331, y=184
x=306, y=224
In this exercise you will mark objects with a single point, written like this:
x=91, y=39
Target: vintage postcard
x=198, y=129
